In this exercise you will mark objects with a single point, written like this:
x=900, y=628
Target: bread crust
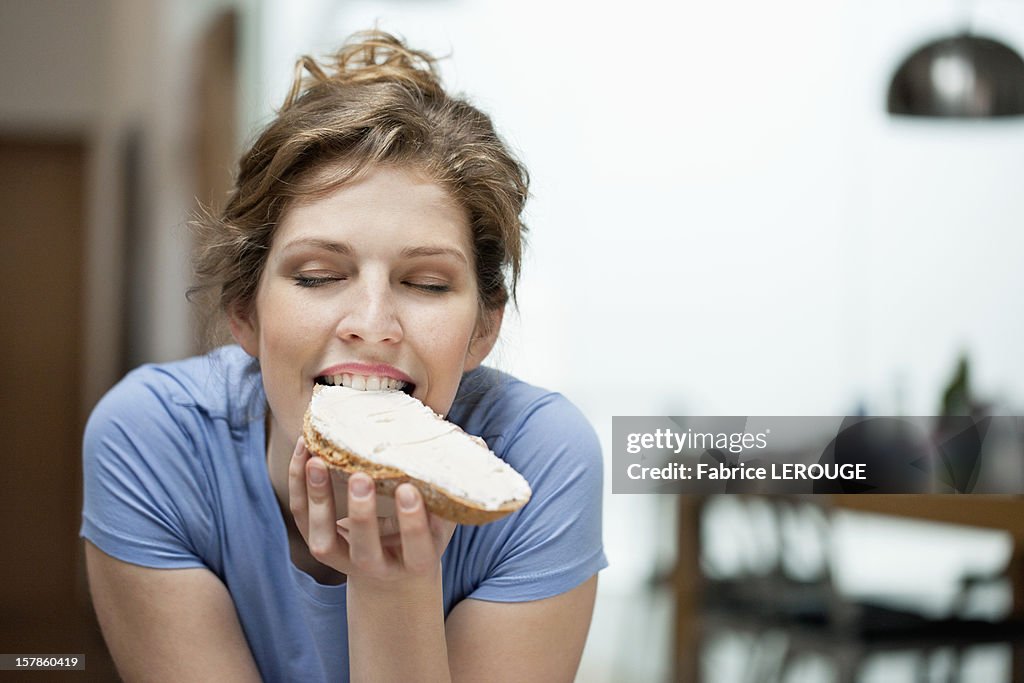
x=386, y=479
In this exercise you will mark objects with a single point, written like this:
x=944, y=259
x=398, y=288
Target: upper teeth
x=365, y=383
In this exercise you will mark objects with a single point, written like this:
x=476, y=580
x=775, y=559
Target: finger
x=323, y=533
x=364, y=534
x=419, y=552
x=297, y=486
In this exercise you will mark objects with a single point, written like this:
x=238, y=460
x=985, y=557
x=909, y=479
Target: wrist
x=402, y=589
x=397, y=629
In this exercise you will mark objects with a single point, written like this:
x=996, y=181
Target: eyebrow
x=414, y=252
x=345, y=249
x=327, y=245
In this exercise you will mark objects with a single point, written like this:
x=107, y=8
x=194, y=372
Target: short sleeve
x=144, y=493
x=553, y=544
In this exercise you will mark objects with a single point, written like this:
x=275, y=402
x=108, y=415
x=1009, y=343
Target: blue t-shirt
x=176, y=476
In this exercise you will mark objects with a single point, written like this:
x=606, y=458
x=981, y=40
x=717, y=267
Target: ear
x=485, y=337
x=245, y=330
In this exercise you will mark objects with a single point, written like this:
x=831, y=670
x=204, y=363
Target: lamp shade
x=965, y=76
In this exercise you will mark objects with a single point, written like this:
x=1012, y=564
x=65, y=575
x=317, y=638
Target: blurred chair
x=762, y=596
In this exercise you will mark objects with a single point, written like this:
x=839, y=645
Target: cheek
x=287, y=324
x=452, y=335
x=444, y=353
x=287, y=331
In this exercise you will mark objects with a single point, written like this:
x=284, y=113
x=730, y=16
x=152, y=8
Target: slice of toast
x=394, y=438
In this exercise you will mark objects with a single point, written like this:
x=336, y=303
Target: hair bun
x=368, y=57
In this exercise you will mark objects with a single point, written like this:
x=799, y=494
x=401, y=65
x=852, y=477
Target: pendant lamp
x=966, y=76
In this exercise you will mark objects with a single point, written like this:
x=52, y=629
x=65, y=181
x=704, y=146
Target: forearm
x=396, y=630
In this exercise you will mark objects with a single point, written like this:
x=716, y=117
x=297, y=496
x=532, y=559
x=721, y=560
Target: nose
x=371, y=314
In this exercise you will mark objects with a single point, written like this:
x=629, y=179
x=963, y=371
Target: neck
x=278, y=457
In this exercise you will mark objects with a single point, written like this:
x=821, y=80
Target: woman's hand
x=361, y=545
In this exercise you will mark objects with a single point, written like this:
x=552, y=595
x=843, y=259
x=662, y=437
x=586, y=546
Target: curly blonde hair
x=375, y=102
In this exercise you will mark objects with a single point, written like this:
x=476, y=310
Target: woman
x=370, y=234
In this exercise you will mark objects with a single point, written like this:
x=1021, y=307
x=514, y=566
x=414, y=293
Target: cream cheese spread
x=393, y=429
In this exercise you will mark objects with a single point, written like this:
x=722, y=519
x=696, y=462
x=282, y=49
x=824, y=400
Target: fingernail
x=406, y=498
x=317, y=475
x=360, y=487
x=298, y=447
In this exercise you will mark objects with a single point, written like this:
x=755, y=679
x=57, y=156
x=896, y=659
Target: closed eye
x=430, y=287
x=314, y=281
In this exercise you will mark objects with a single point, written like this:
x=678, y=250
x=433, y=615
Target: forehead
x=385, y=204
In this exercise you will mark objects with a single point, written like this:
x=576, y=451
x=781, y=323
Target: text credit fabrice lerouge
x=813, y=454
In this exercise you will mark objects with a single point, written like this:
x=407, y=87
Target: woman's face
x=373, y=283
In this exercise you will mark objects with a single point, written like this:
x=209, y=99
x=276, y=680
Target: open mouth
x=366, y=383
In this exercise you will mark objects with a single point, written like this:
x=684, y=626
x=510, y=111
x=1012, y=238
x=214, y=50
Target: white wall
x=941, y=208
